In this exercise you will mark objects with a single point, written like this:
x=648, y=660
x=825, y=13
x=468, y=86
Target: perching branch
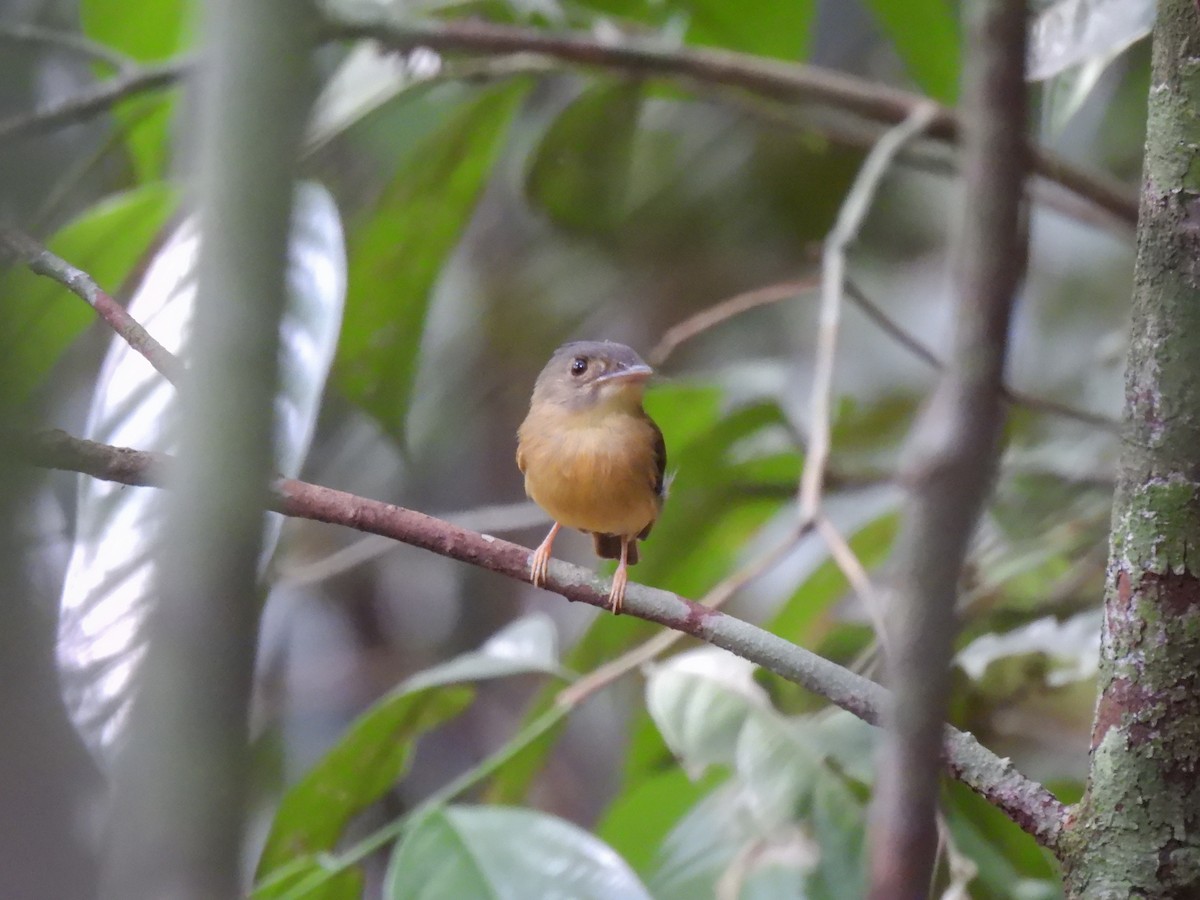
x=953, y=452
x=1027, y=803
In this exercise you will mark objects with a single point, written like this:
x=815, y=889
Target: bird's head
x=593, y=376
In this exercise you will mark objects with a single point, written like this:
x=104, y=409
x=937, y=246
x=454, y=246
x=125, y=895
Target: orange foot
x=616, y=596
x=540, y=561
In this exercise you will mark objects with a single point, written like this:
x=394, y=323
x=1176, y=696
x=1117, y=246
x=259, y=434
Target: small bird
x=591, y=456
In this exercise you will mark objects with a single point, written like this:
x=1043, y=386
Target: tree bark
x=1137, y=831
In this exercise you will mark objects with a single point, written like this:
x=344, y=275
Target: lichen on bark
x=1136, y=833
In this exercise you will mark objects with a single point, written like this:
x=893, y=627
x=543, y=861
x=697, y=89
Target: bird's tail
x=608, y=546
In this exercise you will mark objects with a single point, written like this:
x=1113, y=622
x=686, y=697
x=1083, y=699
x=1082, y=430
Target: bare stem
x=953, y=452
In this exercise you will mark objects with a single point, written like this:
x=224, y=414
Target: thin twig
x=76, y=44
x=94, y=100
x=1026, y=802
x=855, y=572
x=906, y=339
x=43, y=262
x=689, y=328
x=724, y=310
x=833, y=272
x=793, y=82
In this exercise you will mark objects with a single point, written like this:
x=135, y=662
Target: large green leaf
x=42, y=317
x=377, y=748
x=148, y=31
x=779, y=28
x=366, y=762
x=528, y=645
x=838, y=823
x=505, y=852
x=641, y=816
x=926, y=36
x=701, y=847
x=701, y=700
x=580, y=172
x=398, y=248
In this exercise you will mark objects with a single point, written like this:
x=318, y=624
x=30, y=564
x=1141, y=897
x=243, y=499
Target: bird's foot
x=616, y=596
x=539, y=562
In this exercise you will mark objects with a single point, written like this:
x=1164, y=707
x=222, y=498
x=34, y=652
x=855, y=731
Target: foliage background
x=492, y=212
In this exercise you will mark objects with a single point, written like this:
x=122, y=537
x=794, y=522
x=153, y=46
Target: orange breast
x=592, y=474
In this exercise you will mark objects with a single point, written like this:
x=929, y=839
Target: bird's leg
x=616, y=596
x=540, y=560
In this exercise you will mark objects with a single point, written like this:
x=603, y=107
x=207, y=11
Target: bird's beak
x=632, y=374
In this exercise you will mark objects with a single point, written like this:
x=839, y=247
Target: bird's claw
x=616, y=596
x=539, y=563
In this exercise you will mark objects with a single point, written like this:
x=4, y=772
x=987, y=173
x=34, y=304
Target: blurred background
x=494, y=207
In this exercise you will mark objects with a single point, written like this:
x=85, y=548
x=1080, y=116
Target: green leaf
x=708, y=491
x=1069, y=33
x=779, y=28
x=778, y=763
x=148, y=31
x=700, y=700
x=365, y=763
x=527, y=645
x=700, y=847
x=397, y=252
x=505, y=852
x=580, y=172
x=648, y=12
x=42, y=317
x=640, y=817
x=838, y=823
x=926, y=36
x=345, y=885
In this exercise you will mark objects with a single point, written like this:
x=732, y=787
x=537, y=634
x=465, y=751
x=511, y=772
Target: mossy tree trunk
x=1137, y=831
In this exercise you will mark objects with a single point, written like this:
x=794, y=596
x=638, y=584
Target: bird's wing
x=660, y=460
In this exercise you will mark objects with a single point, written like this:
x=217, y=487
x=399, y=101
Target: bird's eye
x=578, y=366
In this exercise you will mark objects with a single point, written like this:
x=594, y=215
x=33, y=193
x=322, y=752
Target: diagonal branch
x=95, y=100
x=67, y=41
x=792, y=82
x=42, y=262
x=771, y=79
x=1027, y=803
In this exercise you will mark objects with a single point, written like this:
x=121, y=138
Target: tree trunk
x=1137, y=831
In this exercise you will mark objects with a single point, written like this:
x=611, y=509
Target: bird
x=592, y=458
